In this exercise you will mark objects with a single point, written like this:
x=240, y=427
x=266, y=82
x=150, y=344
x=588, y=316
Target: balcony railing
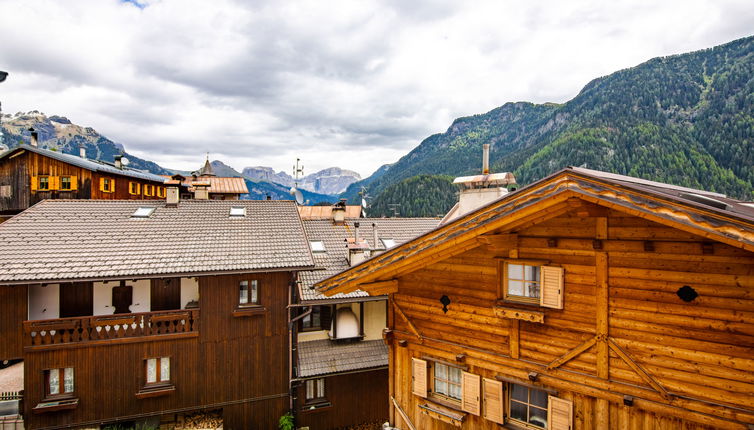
x=111, y=328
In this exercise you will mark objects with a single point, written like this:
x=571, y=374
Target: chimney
x=118, y=162
x=356, y=232
x=34, y=137
x=486, y=159
x=82, y=151
x=339, y=212
x=375, y=237
x=172, y=196
x=201, y=190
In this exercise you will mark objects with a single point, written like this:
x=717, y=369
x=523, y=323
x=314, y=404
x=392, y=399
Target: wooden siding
x=622, y=274
x=356, y=398
x=14, y=309
x=239, y=364
x=17, y=172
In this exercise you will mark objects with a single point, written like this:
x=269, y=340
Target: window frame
x=503, y=284
x=442, y=398
x=48, y=183
x=148, y=190
x=131, y=188
x=303, y=327
x=62, y=393
x=158, y=382
x=317, y=399
x=160, y=192
x=249, y=303
x=70, y=183
x=385, y=244
x=107, y=185
x=508, y=408
x=317, y=251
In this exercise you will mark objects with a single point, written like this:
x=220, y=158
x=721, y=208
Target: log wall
x=14, y=301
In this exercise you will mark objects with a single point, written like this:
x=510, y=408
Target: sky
x=352, y=84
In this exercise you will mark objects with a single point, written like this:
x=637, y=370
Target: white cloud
x=342, y=83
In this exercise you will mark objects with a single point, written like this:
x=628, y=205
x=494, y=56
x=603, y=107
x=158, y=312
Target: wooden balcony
x=122, y=328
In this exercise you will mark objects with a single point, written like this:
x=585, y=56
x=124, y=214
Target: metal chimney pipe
x=486, y=159
x=34, y=137
x=82, y=151
x=356, y=232
x=375, y=237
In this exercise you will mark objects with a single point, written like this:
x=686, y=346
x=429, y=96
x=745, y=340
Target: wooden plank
x=638, y=369
x=514, y=338
x=380, y=288
x=575, y=352
x=408, y=321
x=402, y=413
x=520, y=314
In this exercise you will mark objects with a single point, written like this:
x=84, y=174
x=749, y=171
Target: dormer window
x=237, y=212
x=317, y=245
x=143, y=212
x=388, y=243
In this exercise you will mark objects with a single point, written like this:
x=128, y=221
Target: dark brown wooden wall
x=239, y=361
x=356, y=398
x=14, y=310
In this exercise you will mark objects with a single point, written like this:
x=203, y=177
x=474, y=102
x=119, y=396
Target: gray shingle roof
x=99, y=239
x=335, y=259
x=85, y=163
x=323, y=357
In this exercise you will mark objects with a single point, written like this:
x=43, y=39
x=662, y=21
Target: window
x=317, y=245
x=143, y=212
x=161, y=192
x=532, y=282
x=107, y=185
x=446, y=381
x=158, y=371
x=44, y=183
x=67, y=183
x=315, y=390
x=388, y=243
x=248, y=293
x=319, y=319
x=237, y=212
x=59, y=382
x=148, y=190
x=527, y=406
x=134, y=188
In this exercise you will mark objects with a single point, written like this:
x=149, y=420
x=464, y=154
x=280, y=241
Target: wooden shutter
x=53, y=182
x=102, y=184
x=34, y=183
x=419, y=377
x=560, y=413
x=325, y=317
x=74, y=183
x=470, y=393
x=551, y=295
x=112, y=185
x=493, y=400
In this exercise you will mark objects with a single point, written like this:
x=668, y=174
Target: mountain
x=685, y=119
x=417, y=196
x=332, y=180
x=57, y=132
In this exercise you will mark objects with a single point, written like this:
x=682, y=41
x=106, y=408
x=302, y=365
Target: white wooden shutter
x=419, y=377
x=493, y=400
x=560, y=413
x=551, y=295
x=470, y=393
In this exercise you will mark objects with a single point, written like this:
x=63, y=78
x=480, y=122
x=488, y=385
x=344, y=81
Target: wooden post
x=602, y=406
x=513, y=337
x=390, y=316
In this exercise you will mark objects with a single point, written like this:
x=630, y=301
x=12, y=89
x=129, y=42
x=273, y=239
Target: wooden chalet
x=586, y=300
x=29, y=174
x=340, y=376
x=140, y=312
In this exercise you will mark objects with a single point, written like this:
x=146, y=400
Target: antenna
x=297, y=171
x=394, y=207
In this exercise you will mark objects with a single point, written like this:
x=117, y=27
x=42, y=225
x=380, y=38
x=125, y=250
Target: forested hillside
x=686, y=119
x=418, y=196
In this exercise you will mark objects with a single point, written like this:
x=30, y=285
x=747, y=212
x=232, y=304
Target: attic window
x=143, y=212
x=238, y=211
x=388, y=243
x=317, y=245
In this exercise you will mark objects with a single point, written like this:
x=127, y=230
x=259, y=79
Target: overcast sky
x=350, y=84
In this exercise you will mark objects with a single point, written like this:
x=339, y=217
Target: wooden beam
x=408, y=321
x=402, y=414
x=638, y=369
x=514, y=338
x=572, y=354
x=498, y=242
x=380, y=288
x=520, y=314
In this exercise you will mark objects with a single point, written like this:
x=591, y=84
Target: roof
x=217, y=185
x=57, y=240
x=323, y=357
x=700, y=212
x=206, y=170
x=85, y=163
x=334, y=237
x=353, y=211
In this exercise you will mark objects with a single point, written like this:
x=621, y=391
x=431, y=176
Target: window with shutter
x=528, y=406
x=493, y=400
x=54, y=183
x=74, y=183
x=419, y=377
x=560, y=412
x=34, y=183
x=552, y=287
x=470, y=397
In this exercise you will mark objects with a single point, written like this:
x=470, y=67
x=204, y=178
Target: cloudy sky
x=353, y=84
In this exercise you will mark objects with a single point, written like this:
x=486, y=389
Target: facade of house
x=586, y=300
x=141, y=312
x=340, y=376
x=29, y=174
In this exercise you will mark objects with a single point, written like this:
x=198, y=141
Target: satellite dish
x=363, y=203
x=124, y=161
x=297, y=195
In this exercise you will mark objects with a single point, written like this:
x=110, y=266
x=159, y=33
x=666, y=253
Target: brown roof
x=323, y=357
x=98, y=239
x=334, y=237
x=217, y=185
x=326, y=211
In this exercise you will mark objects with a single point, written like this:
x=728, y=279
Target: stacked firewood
x=204, y=421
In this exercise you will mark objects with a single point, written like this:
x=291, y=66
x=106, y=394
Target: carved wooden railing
x=110, y=327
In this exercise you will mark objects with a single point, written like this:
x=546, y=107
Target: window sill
x=519, y=314
x=316, y=407
x=249, y=311
x=55, y=405
x=156, y=391
x=442, y=401
x=443, y=414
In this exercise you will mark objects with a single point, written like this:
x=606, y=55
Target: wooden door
x=76, y=299
x=122, y=299
x=165, y=294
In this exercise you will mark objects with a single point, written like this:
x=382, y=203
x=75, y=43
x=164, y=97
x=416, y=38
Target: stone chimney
x=82, y=151
x=34, y=137
x=118, y=161
x=201, y=190
x=375, y=237
x=339, y=212
x=172, y=195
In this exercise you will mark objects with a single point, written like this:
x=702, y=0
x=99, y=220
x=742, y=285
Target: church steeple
x=207, y=169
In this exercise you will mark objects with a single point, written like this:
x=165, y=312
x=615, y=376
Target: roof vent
x=709, y=201
x=143, y=212
x=237, y=211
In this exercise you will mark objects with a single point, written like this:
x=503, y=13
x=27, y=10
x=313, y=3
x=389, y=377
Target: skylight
x=143, y=212
x=317, y=245
x=388, y=243
x=237, y=211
